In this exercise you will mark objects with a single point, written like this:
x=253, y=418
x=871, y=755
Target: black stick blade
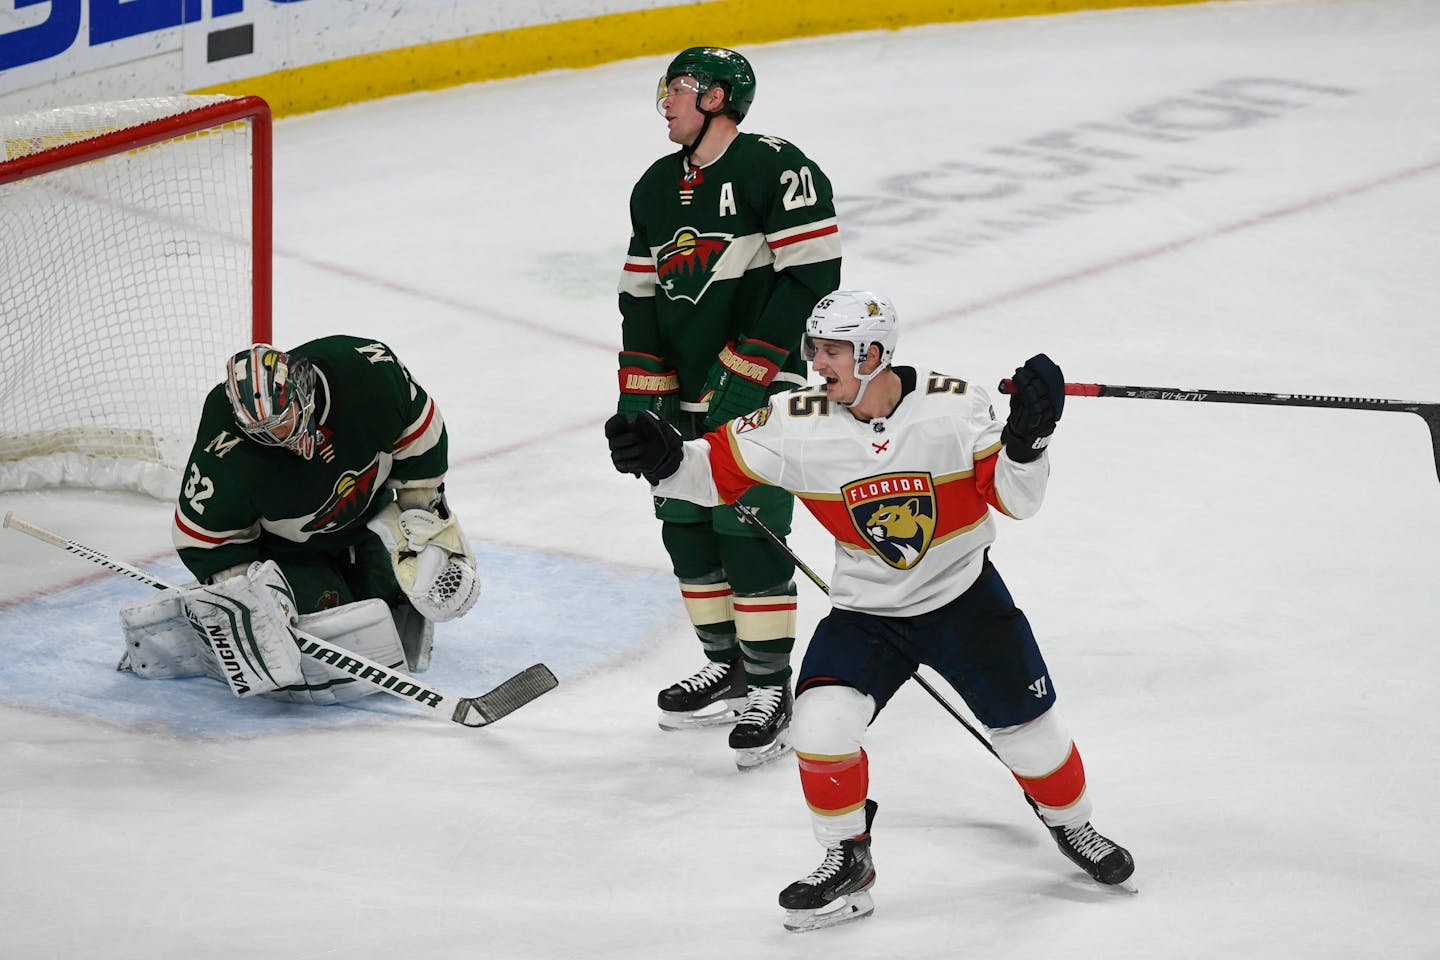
x=505, y=699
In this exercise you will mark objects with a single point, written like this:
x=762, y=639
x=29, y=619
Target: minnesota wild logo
x=895, y=513
x=351, y=496
x=685, y=267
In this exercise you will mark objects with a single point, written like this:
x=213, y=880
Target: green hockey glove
x=740, y=380
x=646, y=384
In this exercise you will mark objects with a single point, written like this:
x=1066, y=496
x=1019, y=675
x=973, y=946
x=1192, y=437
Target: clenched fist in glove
x=645, y=446
x=1036, y=402
x=740, y=380
x=647, y=383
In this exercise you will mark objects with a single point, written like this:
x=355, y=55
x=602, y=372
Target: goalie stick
x=1429, y=412
x=748, y=515
x=479, y=711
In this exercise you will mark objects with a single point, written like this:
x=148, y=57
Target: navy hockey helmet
x=712, y=65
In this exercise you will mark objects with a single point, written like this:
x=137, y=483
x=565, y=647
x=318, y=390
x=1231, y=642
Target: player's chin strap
x=864, y=385
x=469, y=711
x=690, y=148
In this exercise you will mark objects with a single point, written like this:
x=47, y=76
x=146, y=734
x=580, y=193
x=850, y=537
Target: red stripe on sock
x=1060, y=787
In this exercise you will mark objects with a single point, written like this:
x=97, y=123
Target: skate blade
x=748, y=758
x=854, y=906
x=721, y=713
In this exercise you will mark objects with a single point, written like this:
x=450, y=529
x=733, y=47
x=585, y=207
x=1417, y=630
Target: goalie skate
x=713, y=697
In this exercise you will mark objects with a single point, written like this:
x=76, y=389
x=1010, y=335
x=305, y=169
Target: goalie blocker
x=238, y=632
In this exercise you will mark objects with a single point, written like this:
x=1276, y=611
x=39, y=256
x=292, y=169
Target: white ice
x=1237, y=603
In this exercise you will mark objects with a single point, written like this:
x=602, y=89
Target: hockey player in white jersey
x=903, y=467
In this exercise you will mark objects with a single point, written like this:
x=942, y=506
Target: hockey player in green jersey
x=733, y=239
x=330, y=460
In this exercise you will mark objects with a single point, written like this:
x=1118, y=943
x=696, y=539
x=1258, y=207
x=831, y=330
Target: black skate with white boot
x=713, y=697
x=1102, y=858
x=839, y=889
x=763, y=732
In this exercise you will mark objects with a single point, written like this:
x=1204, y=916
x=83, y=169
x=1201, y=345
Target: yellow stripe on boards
x=572, y=44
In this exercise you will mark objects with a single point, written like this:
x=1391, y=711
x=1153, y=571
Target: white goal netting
x=127, y=276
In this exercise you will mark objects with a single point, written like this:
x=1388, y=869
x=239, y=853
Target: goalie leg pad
x=245, y=624
x=160, y=642
x=365, y=628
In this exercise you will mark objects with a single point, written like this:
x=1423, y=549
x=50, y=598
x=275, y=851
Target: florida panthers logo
x=349, y=500
x=895, y=513
x=685, y=267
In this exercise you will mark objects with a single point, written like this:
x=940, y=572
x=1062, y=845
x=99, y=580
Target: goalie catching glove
x=433, y=562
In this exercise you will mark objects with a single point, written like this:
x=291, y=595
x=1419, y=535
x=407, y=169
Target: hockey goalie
x=329, y=460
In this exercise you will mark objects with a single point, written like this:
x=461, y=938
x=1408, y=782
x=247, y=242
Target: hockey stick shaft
x=1429, y=412
x=748, y=515
x=469, y=711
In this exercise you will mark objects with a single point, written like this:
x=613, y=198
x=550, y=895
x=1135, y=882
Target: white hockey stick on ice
x=479, y=711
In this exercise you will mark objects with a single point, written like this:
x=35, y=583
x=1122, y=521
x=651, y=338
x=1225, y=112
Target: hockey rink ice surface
x=1237, y=604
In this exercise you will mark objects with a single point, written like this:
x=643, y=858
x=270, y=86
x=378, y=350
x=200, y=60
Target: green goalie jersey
x=745, y=245
x=242, y=501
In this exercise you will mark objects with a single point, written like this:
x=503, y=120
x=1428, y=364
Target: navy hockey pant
x=980, y=642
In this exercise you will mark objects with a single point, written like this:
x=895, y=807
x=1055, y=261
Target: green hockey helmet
x=712, y=65
x=273, y=398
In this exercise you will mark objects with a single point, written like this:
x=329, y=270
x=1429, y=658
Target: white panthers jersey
x=906, y=497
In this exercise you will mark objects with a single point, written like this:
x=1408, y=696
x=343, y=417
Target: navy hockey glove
x=647, y=384
x=1036, y=403
x=740, y=380
x=646, y=446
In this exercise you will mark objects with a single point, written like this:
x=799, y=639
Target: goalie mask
x=861, y=318
x=273, y=398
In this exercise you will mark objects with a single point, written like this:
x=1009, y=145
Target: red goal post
x=135, y=257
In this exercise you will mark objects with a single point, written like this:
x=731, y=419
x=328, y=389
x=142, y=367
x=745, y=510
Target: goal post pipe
x=1429, y=412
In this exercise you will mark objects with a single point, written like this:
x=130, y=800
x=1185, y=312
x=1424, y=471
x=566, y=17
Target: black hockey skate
x=839, y=889
x=763, y=732
x=1105, y=860
x=713, y=697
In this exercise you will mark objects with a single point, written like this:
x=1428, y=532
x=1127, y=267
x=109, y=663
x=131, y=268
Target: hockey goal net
x=134, y=259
